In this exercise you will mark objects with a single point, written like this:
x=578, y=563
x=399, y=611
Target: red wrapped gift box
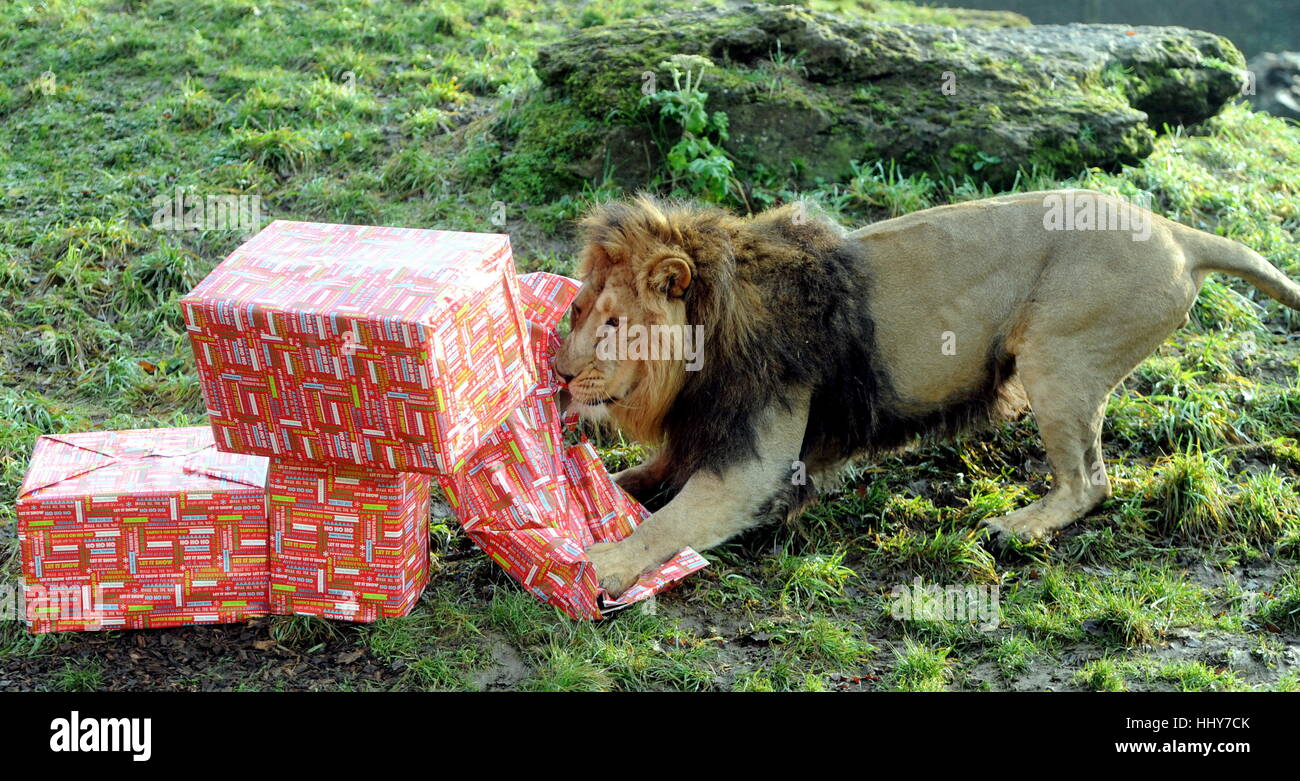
x=347, y=543
x=394, y=348
x=535, y=504
x=143, y=528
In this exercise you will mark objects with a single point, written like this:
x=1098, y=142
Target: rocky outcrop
x=1254, y=26
x=1277, y=84
x=811, y=93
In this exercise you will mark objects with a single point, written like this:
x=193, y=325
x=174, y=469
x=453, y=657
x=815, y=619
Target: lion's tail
x=1215, y=253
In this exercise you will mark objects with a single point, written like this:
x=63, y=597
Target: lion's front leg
x=646, y=482
x=711, y=508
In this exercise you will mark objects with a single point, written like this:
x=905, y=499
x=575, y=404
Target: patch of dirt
x=508, y=668
x=199, y=658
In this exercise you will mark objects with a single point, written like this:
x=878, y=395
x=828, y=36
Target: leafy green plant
x=697, y=162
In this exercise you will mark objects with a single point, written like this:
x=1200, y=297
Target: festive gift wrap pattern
x=347, y=542
x=535, y=503
x=143, y=528
x=394, y=348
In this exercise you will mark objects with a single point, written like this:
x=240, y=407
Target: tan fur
x=1078, y=310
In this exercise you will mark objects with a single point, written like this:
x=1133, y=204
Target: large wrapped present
x=143, y=528
x=535, y=503
x=347, y=542
x=393, y=348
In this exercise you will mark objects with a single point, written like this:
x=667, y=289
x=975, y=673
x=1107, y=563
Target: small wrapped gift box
x=347, y=542
x=393, y=348
x=535, y=503
x=143, y=528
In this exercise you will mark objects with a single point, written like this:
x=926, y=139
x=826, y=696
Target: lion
x=820, y=346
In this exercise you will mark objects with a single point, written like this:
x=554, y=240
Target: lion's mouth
x=599, y=401
x=588, y=392
x=596, y=406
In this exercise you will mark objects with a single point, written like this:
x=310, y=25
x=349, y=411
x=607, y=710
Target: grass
x=812, y=579
x=1283, y=606
x=1115, y=675
x=80, y=677
x=326, y=113
x=919, y=668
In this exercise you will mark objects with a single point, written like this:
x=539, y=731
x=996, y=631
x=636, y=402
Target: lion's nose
x=558, y=365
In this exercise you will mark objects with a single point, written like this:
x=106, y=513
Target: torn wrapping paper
x=142, y=528
x=347, y=542
x=394, y=348
x=534, y=503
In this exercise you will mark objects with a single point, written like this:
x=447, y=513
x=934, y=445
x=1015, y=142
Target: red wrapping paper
x=393, y=348
x=534, y=503
x=347, y=543
x=142, y=528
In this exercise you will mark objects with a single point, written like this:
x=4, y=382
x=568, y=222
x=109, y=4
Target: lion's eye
x=612, y=322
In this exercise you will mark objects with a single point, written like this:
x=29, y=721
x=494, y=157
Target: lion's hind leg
x=1071, y=352
x=1069, y=419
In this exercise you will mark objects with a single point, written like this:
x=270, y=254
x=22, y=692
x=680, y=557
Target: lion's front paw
x=1026, y=525
x=616, y=570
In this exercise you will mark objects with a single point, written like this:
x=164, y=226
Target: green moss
x=1096, y=118
x=551, y=136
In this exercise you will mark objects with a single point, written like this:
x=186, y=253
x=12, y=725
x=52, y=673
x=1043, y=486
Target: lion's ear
x=670, y=276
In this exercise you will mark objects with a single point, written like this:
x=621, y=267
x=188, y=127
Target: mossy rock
x=807, y=93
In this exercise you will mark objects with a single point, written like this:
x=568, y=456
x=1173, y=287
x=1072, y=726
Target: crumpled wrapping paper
x=535, y=503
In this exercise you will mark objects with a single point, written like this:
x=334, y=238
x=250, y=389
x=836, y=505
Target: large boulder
x=1277, y=84
x=1253, y=26
x=808, y=93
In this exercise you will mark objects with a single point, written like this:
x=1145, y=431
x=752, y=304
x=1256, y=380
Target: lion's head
x=630, y=337
x=741, y=305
